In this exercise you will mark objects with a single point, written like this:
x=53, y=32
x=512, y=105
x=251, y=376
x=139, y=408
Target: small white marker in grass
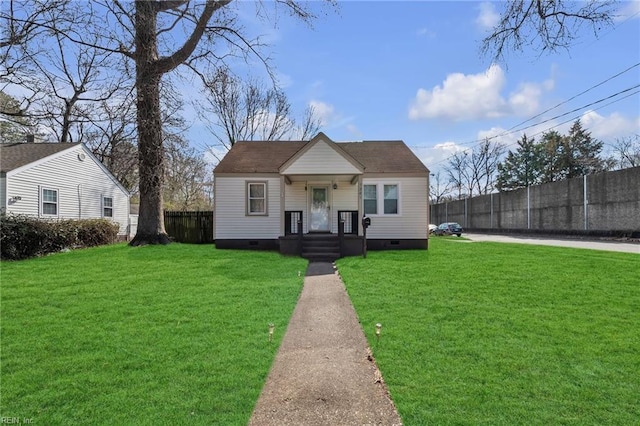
x=271, y=328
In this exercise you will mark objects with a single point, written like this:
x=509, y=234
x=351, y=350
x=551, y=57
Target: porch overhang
x=351, y=178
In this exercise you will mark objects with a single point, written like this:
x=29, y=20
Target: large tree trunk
x=150, y=148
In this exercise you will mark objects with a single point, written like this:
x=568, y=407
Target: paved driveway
x=559, y=242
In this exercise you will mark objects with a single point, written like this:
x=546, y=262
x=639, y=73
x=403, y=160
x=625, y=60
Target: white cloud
x=488, y=17
x=435, y=158
x=477, y=96
x=609, y=127
x=323, y=111
x=526, y=99
x=462, y=97
x=498, y=134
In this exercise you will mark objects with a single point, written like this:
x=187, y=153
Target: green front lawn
x=146, y=335
x=473, y=333
x=503, y=334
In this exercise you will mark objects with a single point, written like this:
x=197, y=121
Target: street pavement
x=607, y=245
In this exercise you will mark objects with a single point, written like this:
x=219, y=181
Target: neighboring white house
x=60, y=181
x=264, y=189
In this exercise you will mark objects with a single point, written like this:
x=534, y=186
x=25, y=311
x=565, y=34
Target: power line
x=575, y=96
x=554, y=118
x=516, y=128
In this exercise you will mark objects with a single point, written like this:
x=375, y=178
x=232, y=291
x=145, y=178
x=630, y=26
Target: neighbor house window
x=107, y=207
x=390, y=199
x=370, y=198
x=49, y=202
x=381, y=199
x=256, y=198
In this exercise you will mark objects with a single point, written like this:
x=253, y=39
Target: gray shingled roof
x=16, y=155
x=268, y=156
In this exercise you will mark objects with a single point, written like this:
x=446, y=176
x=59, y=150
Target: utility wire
x=575, y=96
x=556, y=117
x=515, y=129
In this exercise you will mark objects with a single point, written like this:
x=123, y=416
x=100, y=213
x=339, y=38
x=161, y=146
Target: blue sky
x=414, y=71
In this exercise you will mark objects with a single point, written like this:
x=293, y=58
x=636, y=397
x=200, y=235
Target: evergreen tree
x=554, y=161
x=582, y=152
x=521, y=168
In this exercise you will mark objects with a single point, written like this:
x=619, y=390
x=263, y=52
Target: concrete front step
x=320, y=247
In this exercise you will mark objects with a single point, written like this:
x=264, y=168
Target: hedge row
x=22, y=237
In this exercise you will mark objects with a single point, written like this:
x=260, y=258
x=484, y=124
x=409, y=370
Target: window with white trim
x=390, y=199
x=107, y=207
x=257, y=198
x=49, y=205
x=370, y=199
x=381, y=199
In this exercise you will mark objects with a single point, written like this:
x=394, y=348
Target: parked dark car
x=448, y=228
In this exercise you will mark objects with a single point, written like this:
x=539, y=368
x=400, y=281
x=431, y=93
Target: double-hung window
x=390, y=199
x=381, y=199
x=107, y=207
x=370, y=199
x=257, y=198
x=49, y=204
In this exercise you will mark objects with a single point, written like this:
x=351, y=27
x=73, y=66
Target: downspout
x=79, y=201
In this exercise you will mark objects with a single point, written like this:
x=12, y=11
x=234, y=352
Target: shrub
x=96, y=232
x=22, y=236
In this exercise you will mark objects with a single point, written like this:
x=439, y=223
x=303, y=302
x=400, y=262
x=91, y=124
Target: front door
x=319, y=209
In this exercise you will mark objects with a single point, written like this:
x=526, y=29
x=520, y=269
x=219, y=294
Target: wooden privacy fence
x=189, y=227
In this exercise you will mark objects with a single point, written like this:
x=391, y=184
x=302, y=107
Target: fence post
x=300, y=236
x=586, y=203
x=341, y=234
x=491, y=208
x=528, y=208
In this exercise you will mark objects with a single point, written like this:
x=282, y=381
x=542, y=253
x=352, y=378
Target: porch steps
x=321, y=247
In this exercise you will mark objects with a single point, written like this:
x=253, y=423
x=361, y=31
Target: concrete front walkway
x=323, y=374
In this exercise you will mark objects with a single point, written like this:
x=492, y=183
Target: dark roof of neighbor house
x=268, y=156
x=14, y=155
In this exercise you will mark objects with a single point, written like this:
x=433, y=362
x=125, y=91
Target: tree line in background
x=77, y=85
x=101, y=72
x=488, y=166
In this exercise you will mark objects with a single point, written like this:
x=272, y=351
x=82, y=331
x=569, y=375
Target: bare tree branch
x=544, y=25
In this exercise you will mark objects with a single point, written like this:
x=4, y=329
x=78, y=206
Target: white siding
x=231, y=220
x=295, y=198
x=345, y=197
x=320, y=159
x=411, y=223
x=80, y=185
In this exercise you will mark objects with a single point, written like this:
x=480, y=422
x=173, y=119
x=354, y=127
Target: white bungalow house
x=60, y=181
x=310, y=198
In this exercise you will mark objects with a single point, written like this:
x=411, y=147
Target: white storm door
x=320, y=215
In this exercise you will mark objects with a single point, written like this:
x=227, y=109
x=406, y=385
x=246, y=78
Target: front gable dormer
x=321, y=156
